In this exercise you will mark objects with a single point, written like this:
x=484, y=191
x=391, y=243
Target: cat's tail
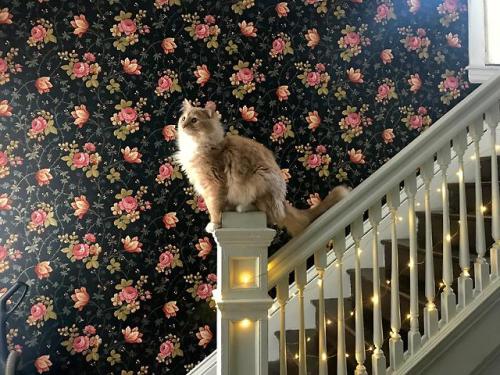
x=296, y=220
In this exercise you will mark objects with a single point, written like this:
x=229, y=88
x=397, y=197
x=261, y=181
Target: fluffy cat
x=236, y=173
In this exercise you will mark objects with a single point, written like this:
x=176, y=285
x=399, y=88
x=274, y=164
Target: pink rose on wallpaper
x=248, y=114
x=279, y=129
x=313, y=78
x=204, y=247
x=248, y=29
x=81, y=343
x=81, y=206
x=202, y=74
x=81, y=115
x=202, y=31
x=165, y=83
x=43, y=84
x=128, y=115
x=166, y=349
x=416, y=121
x=282, y=9
x=356, y=156
x=131, y=67
x=415, y=82
x=89, y=147
x=38, y=33
x=128, y=204
x=388, y=136
x=5, y=202
x=352, y=38
x=169, y=132
x=81, y=159
x=3, y=253
x=43, y=176
x=353, y=119
x=89, y=330
x=170, y=309
x=453, y=40
x=278, y=45
x=38, y=217
x=314, y=120
x=314, y=161
x=80, y=24
x=127, y=26
x=90, y=237
x=386, y=56
x=209, y=19
x=166, y=170
x=81, y=69
x=42, y=364
x=450, y=5
x=81, y=298
x=43, y=270
x=38, y=311
x=89, y=57
x=132, y=335
x=4, y=160
x=3, y=65
x=414, y=42
x=170, y=220
x=38, y=125
x=212, y=277
x=204, y=335
x=132, y=245
x=282, y=93
x=383, y=11
x=355, y=75
x=128, y=294
x=204, y=291
x=414, y=6
x=80, y=251
x=451, y=83
x=166, y=259
x=131, y=155
x=168, y=45
x=383, y=90
x=5, y=108
x=245, y=75
x=200, y=204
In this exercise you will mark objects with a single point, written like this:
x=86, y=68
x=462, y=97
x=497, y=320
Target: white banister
x=378, y=357
x=282, y=296
x=492, y=119
x=339, y=248
x=481, y=268
x=465, y=284
x=448, y=298
x=414, y=337
x=320, y=261
x=395, y=341
x=430, y=310
x=357, y=233
x=242, y=294
x=300, y=282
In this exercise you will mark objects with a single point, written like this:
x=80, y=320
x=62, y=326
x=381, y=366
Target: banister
x=378, y=184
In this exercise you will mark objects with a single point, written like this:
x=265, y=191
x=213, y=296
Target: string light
x=387, y=282
x=408, y=316
x=328, y=322
x=473, y=157
x=352, y=313
x=324, y=357
x=320, y=282
x=296, y=355
x=438, y=190
x=483, y=209
x=448, y=237
x=401, y=218
x=347, y=355
x=308, y=339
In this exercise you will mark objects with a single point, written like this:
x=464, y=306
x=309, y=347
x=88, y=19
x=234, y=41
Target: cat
x=232, y=173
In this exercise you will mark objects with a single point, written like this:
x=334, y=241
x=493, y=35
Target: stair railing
x=243, y=282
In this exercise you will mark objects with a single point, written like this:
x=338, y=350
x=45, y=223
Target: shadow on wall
x=94, y=213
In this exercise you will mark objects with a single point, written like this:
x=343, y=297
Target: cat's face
x=201, y=124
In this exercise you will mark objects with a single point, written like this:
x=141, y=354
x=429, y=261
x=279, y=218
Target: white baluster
x=282, y=297
x=492, y=119
x=378, y=357
x=414, y=338
x=395, y=341
x=430, y=310
x=465, y=283
x=357, y=233
x=481, y=267
x=320, y=263
x=448, y=298
x=339, y=248
x=300, y=282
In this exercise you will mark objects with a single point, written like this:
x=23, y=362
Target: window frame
x=479, y=70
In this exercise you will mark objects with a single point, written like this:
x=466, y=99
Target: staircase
x=402, y=277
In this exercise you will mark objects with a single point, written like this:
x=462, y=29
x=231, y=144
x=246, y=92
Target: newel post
x=242, y=293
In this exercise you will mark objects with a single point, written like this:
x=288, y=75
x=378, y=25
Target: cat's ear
x=210, y=108
x=186, y=105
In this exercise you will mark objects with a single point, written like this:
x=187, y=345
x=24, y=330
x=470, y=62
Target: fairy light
x=352, y=313
x=328, y=322
x=400, y=218
x=308, y=339
x=483, y=209
x=387, y=282
x=320, y=282
x=473, y=157
x=375, y=299
x=408, y=316
x=448, y=238
x=438, y=190
x=347, y=355
x=460, y=174
x=323, y=356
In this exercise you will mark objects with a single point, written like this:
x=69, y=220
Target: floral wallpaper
x=95, y=214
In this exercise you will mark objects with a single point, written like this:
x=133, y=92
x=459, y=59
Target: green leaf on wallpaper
x=123, y=194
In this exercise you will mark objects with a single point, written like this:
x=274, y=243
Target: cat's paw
x=211, y=227
x=245, y=208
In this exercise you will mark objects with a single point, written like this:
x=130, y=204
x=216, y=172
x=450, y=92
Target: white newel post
x=242, y=293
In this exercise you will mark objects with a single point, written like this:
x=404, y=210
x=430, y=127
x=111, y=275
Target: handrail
x=377, y=185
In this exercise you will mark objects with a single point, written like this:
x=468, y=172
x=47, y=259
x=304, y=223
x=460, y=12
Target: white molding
x=206, y=367
x=479, y=70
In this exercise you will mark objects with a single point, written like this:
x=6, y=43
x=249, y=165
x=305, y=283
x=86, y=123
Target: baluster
x=430, y=310
x=357, y=233
x=378, y=357
x=481, y=267
x=300, y=282
x=320, y=263
x=395, y=341
x=414, y=338
x=282, y=296
x=448, y=298
x=492, y=119
x=339, y=248
x=465, y=283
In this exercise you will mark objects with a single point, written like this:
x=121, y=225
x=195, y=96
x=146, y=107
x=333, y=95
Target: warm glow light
x=483, y=209
x=408, y=316
x=296, y=356
x=328, y=322
x=323, y=357
x=448, y=238
x=473, y=157
x=375, y=300
x=466, y=272
x=492, y=9
x=347, y=355
x=497, y=148
x=401, y=218
x=352, y=313
x=245, y=278
x=320, y=282
x=410, y=264
x=387, y=282
x=438, y=190
x=245, y=323
x=418, y=204
x=460, y=174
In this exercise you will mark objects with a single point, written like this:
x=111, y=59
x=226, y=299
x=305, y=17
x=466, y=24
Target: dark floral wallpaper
x=94, y=213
